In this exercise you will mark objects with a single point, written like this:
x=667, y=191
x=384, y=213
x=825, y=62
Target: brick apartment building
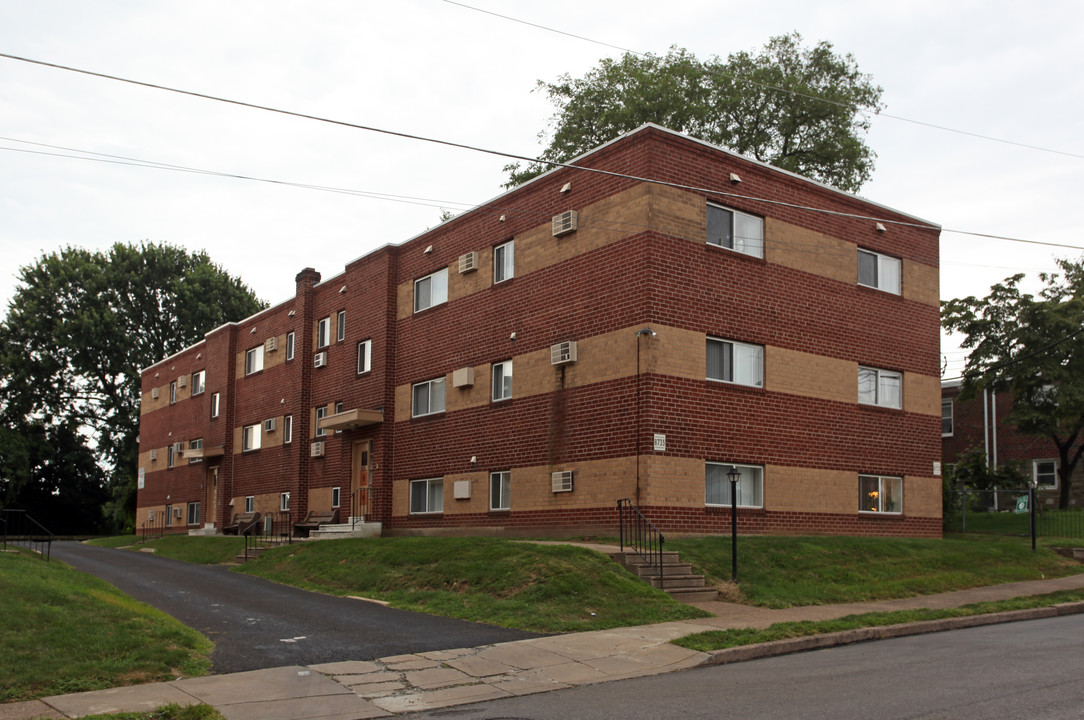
x=982, y=422
x=583, y=338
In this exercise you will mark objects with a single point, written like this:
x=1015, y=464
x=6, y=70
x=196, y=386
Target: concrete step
x=647, y=571
x=670, y=582
x=692, y=595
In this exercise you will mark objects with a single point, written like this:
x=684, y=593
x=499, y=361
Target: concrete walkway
x=429, y=680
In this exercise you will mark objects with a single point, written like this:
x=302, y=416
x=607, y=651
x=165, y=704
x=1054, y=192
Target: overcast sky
x=442, y=70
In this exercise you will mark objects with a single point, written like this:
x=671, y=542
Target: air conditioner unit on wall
x=564, y=223
x=563, y=352
x=182, y=381
x=317, y=449
x=562, y=481
x=176, y=512
x=468, y=262
x=154, y=455
x=177, y=447
x=463, y=377
x=269, y=425
x=271, y=344
x=320, y=359
x=155, y=393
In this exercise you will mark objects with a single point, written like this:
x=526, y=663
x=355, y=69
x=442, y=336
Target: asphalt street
x=258, y=624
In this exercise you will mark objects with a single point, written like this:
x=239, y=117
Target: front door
x=211, y=512
x=359, y=480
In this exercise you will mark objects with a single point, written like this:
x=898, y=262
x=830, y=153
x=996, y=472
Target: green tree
x=1033, y=347
x=801, y=109
x=78, y=330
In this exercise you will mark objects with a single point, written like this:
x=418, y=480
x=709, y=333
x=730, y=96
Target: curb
x=884, y=632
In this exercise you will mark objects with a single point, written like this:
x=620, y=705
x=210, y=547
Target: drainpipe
x=636, y=445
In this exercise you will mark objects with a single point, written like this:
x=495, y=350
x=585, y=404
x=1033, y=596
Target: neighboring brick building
x=727, y=313
x=982, y=422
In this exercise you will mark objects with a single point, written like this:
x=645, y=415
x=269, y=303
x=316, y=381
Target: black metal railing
x=20, y=529
x=271, y=530
x=640, y=534
x=153, y=528
x=360, y=505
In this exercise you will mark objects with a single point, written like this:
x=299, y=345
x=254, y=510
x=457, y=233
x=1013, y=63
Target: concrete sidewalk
x=429, y=680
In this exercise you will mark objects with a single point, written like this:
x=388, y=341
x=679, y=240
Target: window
x=499, y=485
x=287, y=429
x=735, y=362
x=170, y=456
x=428, y=397
x=365, y=356
x=323, y=333
x=290, y=345
x=336, y=497
x=881, y=494
x=193, y=513
x=254, y=360
x=946, y=417
x=250, y=504
x=284, y=501
x=879, y=387
x=502, y=380
x=214, y=405
x=196, y=444
x=250, y=437
x=321, y=412
x=1045, y=473
x=736, y=231
x=879, y=271
x=504, y=264
x=173, y=392
x=338, y=409
x=199, y=382
x=750, y=485
x=427, y=496
x=431, y=290
x=340, y=326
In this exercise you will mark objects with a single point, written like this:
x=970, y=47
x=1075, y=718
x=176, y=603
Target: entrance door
x=360, y=502
x=211, y=513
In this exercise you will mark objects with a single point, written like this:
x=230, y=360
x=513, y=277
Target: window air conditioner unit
x=176, y=512
x=564, y=223
x=177, y=447
x=317, y=449
x=562, y=481
x=269, y=425
x=320, y=359
x=463, y=377
x=271, y=344
x=155, y=393
x=182, y=381
x=154, y=455
x=563, y=353
x=468, y=262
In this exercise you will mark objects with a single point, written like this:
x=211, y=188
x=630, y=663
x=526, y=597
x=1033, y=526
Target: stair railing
x=19, y=528
x=360, y=501
x=156, y=528
x=640, y=534
x=271, y=530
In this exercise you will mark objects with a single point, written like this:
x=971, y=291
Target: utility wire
x=1012, y=361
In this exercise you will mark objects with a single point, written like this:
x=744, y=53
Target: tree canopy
x=799, y=108
x=1031, y=346
x=78, y=330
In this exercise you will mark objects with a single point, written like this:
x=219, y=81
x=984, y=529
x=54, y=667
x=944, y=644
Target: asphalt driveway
x=258, y=624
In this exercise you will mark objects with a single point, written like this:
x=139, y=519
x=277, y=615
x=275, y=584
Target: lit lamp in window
x=733, y=475
x=873, y=504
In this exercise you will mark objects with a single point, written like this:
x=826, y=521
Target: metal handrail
x=640, y=534
x=354, y=505
x=31, y=532
x=156, y=528
x=272, y=530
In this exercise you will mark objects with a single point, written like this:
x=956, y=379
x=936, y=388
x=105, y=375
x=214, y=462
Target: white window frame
x=336, y=497
x=321, y=412
x=173, y=392
x=887, y=271
x=745, y=234
x=433, y=493
x=287, y=429
x=254, y=360
x=199, y=382
x=431, y=290
x=500, y=486
x=950, y=417
x=251, y=437
x=323, y=332
x=1035, y=474
x=747, y=362
x=196, y=444
x=284, y=502
x=880, y=394
x=216, y=403
x=250, y=503
x=365, y=356
x=504, y=262
x=193, y=513
x=291, y=341
x=502, y=381
x=430, y=387
x=170, y=456
x=865, y=496
x=340, y=326
x=717, y=485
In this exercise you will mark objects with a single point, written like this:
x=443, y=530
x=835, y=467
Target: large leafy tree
x=79, y=328
x=1031, y=346
x=804, y=109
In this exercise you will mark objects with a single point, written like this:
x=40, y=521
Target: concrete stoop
x=677, y=579
x=347, y=530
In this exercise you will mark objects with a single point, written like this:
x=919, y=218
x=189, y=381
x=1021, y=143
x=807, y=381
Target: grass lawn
x=167, y=712
x=63, y=631
x=543, y=588
x=209, y=550
x=779, y=572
